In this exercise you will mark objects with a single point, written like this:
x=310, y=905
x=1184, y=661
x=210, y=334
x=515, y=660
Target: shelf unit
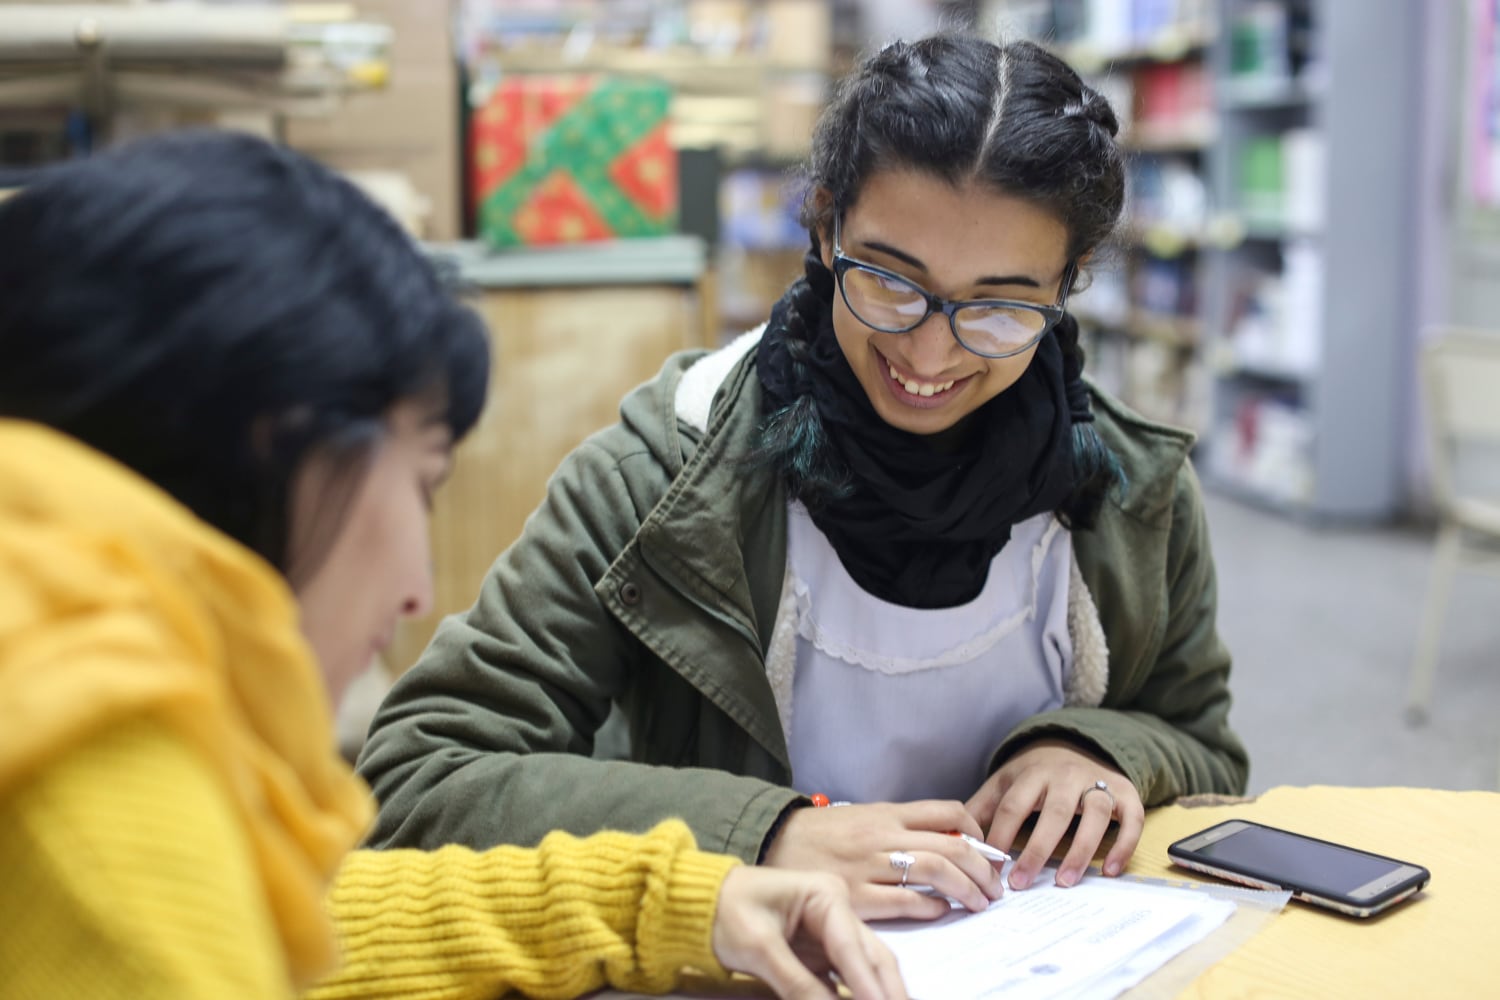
x=747, y=78
x=75, y=78
x=1288, y=347
x=748, y=81
x=100, y=61
x=1309, y=310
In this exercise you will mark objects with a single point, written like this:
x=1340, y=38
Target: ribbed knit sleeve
x=568, y=917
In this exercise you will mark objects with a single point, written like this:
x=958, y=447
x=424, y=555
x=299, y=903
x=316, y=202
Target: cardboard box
x=799, y=33
x=410, y=127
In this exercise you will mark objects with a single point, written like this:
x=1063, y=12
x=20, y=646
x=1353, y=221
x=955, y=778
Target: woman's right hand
x=790, y=929
x=856, y=842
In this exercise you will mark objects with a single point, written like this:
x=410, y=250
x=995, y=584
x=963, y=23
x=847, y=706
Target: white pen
x=990, y=852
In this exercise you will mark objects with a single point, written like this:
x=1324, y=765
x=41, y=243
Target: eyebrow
x=989, y=279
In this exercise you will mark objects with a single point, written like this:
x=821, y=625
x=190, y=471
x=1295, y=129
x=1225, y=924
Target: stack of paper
x=1096, y=939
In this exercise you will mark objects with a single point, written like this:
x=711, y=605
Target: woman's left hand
x=1058, y=781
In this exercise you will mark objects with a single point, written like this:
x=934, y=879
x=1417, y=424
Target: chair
x=1460, y=372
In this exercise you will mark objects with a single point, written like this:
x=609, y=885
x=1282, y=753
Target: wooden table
x=573, y=329
x=1444, y=942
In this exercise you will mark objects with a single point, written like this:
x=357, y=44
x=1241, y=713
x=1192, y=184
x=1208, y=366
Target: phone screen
x=1293, y=859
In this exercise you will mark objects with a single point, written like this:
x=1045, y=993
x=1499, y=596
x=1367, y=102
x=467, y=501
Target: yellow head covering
x=116, y=601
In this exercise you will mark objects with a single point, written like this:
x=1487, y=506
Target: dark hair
x=211, y=310
x=1012, y=117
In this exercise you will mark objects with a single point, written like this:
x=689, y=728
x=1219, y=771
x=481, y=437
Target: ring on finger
x=902, y=862
x=1099, y=786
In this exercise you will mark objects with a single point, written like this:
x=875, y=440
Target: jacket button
x=630, y=594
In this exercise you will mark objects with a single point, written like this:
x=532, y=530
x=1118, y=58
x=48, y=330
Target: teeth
x=915, y=388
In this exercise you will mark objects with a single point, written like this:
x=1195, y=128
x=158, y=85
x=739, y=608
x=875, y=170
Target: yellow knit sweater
x=171, y=809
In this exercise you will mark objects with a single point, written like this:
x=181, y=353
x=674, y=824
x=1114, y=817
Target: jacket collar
x=714, y=596
x=699, y=526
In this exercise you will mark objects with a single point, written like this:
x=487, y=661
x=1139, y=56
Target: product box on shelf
x=573, y=158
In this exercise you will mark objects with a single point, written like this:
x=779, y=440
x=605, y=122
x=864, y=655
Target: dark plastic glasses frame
x=1051, y=315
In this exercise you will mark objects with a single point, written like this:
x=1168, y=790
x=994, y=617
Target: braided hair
x=1013, y=118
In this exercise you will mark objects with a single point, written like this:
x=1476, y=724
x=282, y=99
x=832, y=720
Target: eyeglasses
x=991, y=328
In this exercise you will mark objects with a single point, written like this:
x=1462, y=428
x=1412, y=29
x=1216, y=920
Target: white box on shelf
x=1305, y=201
x=1109, y=26
x=1302, y=306
x=1281, y=460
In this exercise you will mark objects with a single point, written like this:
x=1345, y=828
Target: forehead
x=960, y=231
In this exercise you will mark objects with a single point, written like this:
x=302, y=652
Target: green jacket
x=650, y=577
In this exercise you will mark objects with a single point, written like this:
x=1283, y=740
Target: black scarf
x=920, y=526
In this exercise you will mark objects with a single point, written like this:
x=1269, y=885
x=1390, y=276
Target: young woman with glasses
x=892, y=549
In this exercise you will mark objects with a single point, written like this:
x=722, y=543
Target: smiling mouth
x=916, y=388
x=917, y=391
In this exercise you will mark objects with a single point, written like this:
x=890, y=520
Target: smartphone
x=1325, y=874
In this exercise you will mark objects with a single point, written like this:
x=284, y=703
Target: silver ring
x=1098, y=786
x=902, y=862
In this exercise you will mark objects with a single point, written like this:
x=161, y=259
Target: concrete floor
x=1322, y=623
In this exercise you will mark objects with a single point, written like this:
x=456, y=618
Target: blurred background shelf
x=1270, y=372
x=1189, y=137
x=1102, y=42
x=1314, y=305
x=747, y=78
x=663, y=260
x=1183, y=332
x=104, y=59
x=1252, y=299
x=1257, y=92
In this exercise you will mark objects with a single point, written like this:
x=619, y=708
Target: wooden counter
x=572, y=331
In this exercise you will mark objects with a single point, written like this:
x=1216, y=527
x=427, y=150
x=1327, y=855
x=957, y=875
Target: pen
x=990, y=852
x=993, y=854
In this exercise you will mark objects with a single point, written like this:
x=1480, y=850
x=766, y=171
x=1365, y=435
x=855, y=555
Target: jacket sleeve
x=561, y=920
x=1166, y=726
x=487, y=740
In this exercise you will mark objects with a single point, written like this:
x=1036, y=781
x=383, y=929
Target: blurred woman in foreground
x=229, y=389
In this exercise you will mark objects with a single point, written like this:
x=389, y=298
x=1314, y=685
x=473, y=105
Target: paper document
x=1096, y=939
